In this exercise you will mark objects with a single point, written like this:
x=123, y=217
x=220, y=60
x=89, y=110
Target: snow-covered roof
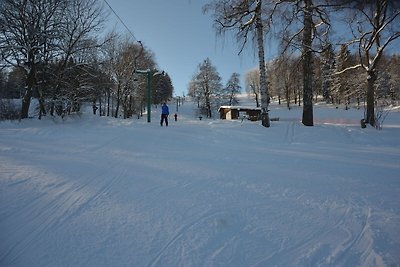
x=239, y=108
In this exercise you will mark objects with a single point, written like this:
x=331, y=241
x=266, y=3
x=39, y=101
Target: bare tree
x=233, y=88
x=120, y=62
x=304, y=26
x=284, y=73
x=36, y=33
x=81, y=20
x=28, y=37
x=252, y=84
x=245, y=17
x=375, y=26
x=206, y=87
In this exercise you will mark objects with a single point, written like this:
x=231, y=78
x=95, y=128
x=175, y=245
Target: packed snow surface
x=98, y=191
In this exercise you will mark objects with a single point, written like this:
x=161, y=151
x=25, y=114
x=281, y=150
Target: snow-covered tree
x=375, y=27
x=28, y=36
x=79, y=26
x=206, y=87
x=36, y=33
x=233, y=88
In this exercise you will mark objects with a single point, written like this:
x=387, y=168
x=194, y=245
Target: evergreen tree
x=394, y=70
x=341, y=88
x=328, y=69
x=162, y=88
x=14, y=84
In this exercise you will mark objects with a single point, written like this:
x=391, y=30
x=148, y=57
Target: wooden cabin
x=236, y=112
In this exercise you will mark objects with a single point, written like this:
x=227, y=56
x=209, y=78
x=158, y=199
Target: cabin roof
x=239, y=108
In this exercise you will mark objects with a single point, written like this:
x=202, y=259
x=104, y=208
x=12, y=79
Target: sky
x=181, y=37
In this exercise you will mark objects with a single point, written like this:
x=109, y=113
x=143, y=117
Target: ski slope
x=93, y=191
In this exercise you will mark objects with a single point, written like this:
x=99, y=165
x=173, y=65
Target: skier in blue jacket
x=164, y=114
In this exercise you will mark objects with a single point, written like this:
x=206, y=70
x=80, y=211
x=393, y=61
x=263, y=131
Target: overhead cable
x=119, y=18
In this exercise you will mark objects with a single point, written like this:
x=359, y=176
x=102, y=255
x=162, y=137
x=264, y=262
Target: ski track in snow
x=106, y=192
x=51, y=209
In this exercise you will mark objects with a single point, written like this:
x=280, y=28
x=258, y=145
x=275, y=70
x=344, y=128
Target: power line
x=115, y=13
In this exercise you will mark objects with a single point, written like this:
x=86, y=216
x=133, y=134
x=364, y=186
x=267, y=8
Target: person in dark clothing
x=164, y=114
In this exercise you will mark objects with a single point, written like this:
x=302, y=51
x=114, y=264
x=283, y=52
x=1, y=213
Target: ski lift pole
x=148, y=97
x=149, y=73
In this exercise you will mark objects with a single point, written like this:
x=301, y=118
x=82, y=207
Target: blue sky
x=181, y=37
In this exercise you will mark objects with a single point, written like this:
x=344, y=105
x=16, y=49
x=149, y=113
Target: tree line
x=347, y=88
x=330, y=84
x=54, y=51
x=308, y=29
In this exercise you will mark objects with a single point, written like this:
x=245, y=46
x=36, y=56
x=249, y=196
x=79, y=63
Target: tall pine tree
x=328, y=69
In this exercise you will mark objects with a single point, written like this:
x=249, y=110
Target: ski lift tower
x=149, y=73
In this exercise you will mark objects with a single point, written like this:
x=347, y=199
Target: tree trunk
x=118, y=100
x=30, y=82
x=370, y=118
x=42, y=108
x=26, y=102
x=208, y=103
x=263, y=79
x=257, y=102
x=108, y=102
x=287, y=92
x=307, y=119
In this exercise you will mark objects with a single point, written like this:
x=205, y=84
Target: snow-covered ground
x=93, y=191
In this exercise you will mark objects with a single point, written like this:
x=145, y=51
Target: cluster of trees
x=329, y=83
x=307, y=28
x=206, y=87
x=52, y=50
